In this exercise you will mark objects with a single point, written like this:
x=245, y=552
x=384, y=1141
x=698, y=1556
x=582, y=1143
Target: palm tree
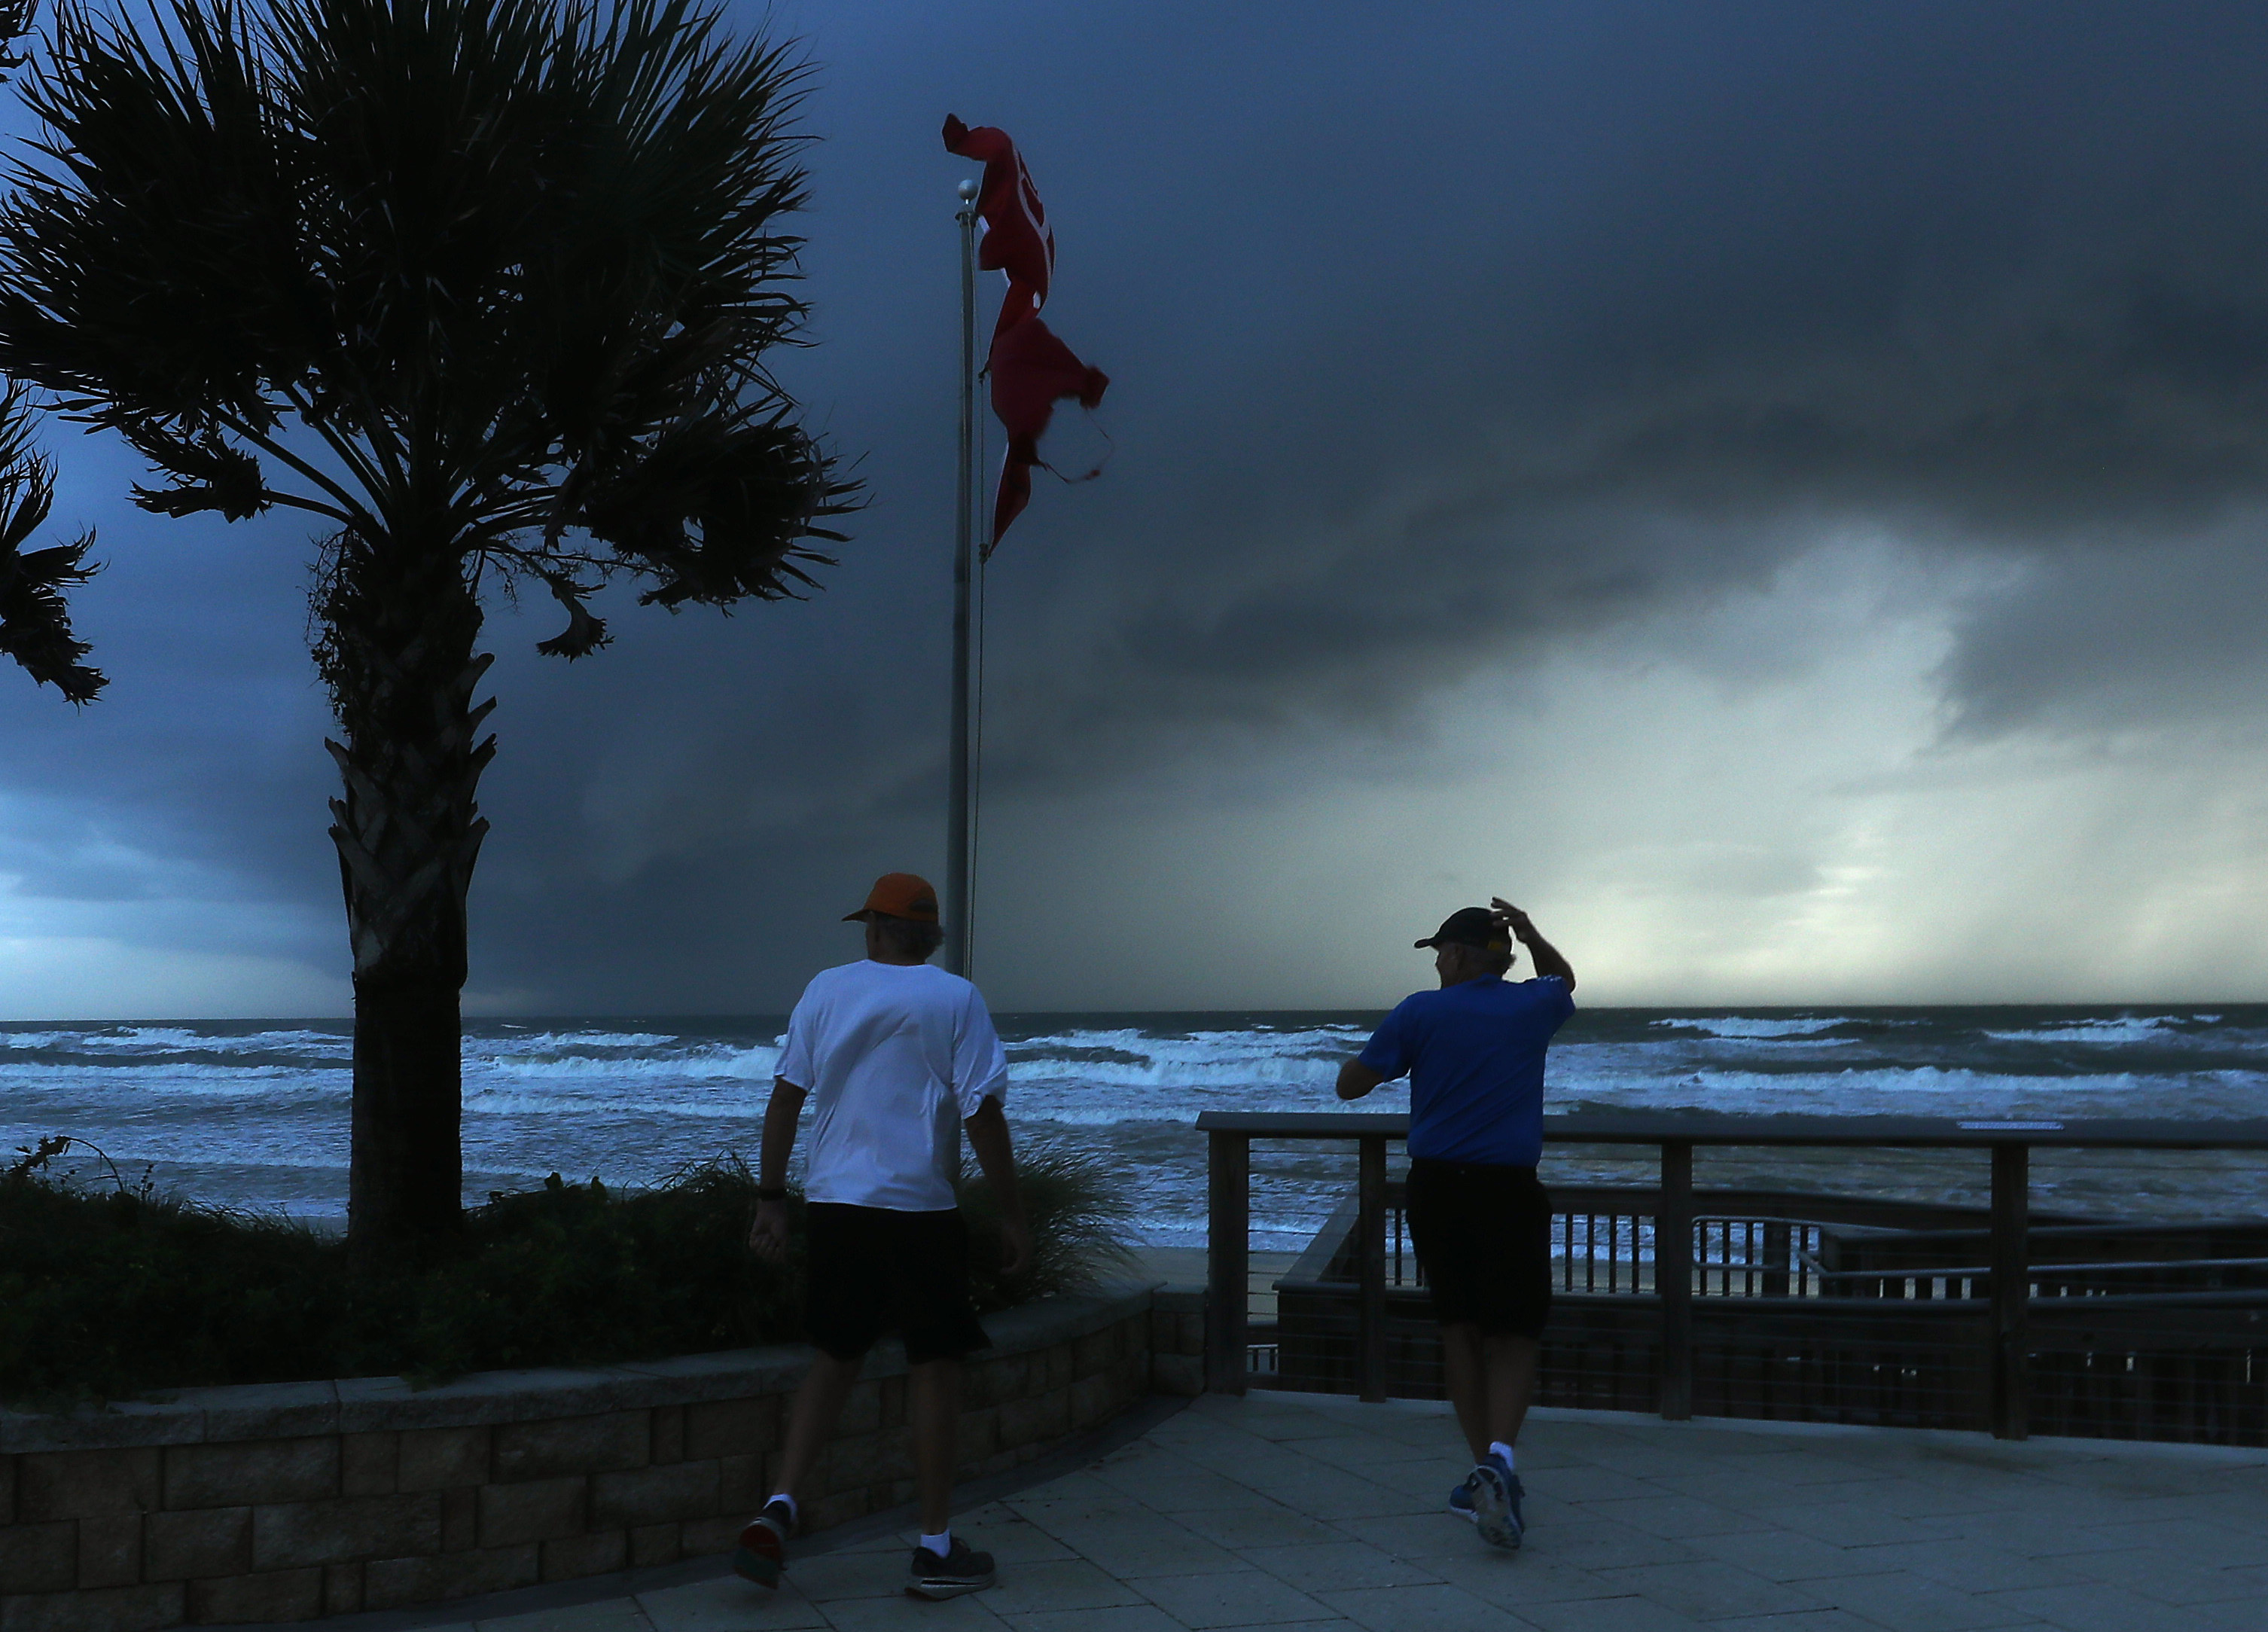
x=486, y=287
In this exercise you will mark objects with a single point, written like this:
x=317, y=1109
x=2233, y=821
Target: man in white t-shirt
x=898, y=1058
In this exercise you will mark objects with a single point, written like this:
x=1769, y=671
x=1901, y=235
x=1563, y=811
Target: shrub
x=111, y=1292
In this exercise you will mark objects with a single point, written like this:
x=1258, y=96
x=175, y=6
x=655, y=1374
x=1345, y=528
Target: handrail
x=1674, y=1134
x=1709, y=1127
x=1977, y=1272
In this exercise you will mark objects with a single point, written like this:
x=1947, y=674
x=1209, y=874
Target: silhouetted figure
x=1473, y=1051
x=899, y=1057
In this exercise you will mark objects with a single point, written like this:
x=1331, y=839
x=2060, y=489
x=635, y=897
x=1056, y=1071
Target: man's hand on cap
x=1513, y=919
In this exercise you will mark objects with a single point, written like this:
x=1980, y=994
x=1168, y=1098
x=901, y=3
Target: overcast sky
x=1778, y=490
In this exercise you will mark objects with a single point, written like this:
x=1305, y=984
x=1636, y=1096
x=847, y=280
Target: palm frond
x=35, y=627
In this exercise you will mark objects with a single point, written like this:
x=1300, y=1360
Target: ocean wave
x=1743, y=1027
x=1080, y=1105
x=491, y=1102
x=1949, y=1089
x=536, y=1041
x=1134, y=1058
x=1065, y=1054
x=2104, y=1033
x=139, y=1077
x=125, y=1044
x=1186, y=1073
x=228, y=1111
x=717, y=1063
x=1080, y=1116
x=246, y=1064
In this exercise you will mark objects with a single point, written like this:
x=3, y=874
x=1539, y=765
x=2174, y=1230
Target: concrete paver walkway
x=1296, y=1511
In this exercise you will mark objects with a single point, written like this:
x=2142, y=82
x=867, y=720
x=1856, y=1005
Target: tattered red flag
x=1032, y=371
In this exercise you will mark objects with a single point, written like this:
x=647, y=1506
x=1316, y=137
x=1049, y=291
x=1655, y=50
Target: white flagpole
x=960, y=898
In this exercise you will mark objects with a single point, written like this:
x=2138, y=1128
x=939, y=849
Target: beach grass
x=110, y=1290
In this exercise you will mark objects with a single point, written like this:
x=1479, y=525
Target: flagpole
x=960, y=903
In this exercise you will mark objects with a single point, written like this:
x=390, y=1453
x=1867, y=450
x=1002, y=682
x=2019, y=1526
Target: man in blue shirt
x=1474, y=1053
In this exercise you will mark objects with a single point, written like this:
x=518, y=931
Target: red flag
x=1031, y=370
x=1017, y=240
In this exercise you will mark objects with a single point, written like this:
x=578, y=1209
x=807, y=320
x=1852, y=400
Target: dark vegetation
x=108, y=1290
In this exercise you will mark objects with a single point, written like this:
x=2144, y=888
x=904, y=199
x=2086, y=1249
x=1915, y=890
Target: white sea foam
x=179, y=1037
x=31, y=1039
x=1188, y=1072
x=499, y=1102
x=1926, y=1090
x=1191, y=1059
x=128, y=1045
x=178, y=1076
x=715, y=1064
x=1742, y=1026
x=2125, y=1029
x=534, y=1041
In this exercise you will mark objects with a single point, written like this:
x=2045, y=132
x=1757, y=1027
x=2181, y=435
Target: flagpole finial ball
x=968, y=191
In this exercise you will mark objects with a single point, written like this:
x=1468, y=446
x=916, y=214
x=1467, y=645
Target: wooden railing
x=1673, y=1246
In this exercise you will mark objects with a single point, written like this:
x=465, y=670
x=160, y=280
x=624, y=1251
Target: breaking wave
x=256, y=1115
x=1746, y=1026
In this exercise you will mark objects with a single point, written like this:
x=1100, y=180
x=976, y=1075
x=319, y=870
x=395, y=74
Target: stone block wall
x=296, y=1501
x=1177, y=1341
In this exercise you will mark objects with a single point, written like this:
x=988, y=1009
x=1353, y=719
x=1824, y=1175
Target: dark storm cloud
x=1439, y=333
x=2095, y=639
x=1676, y=291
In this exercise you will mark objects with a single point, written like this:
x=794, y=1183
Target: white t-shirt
x=894, y=1056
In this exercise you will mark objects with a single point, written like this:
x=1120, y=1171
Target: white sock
x=790, y=1500
x=941, y=1543
x=1502, y=1450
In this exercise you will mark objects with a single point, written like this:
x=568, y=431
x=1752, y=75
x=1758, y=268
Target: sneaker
x=1495, y=1494
x=964, y=1570
x=762, y=1556
x=1460, y=1500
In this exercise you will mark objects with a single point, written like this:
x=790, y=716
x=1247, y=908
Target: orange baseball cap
x=898, y=895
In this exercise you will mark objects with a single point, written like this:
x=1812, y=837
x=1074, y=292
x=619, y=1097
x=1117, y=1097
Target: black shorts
x=873, y=1269
x=1483, y=1237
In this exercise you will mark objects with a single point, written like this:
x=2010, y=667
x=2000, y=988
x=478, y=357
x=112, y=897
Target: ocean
x=254, y=1114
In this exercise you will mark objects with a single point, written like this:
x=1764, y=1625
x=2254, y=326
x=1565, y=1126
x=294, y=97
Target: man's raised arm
x=1540, y=952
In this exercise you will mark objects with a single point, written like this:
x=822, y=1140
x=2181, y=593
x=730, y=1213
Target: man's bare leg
x=934, y=1388
x=812, y=1419
x=1464, y=1372
x=1492, y=1380
x=1512, y=1363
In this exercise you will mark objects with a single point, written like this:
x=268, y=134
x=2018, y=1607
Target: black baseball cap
x=1469, y=925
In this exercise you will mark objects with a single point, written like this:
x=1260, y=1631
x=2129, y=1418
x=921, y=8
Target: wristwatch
x=771, y=1192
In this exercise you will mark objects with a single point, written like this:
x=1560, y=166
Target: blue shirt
x=1474, y=1052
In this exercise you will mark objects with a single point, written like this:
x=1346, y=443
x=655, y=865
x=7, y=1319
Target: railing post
x=1370, y=1232
x=1779, y=1253
x=1673, y=1278
x=1228, y=1249
x=2010, y=1372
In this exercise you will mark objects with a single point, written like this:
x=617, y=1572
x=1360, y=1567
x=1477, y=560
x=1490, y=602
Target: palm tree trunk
x=397, y=651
